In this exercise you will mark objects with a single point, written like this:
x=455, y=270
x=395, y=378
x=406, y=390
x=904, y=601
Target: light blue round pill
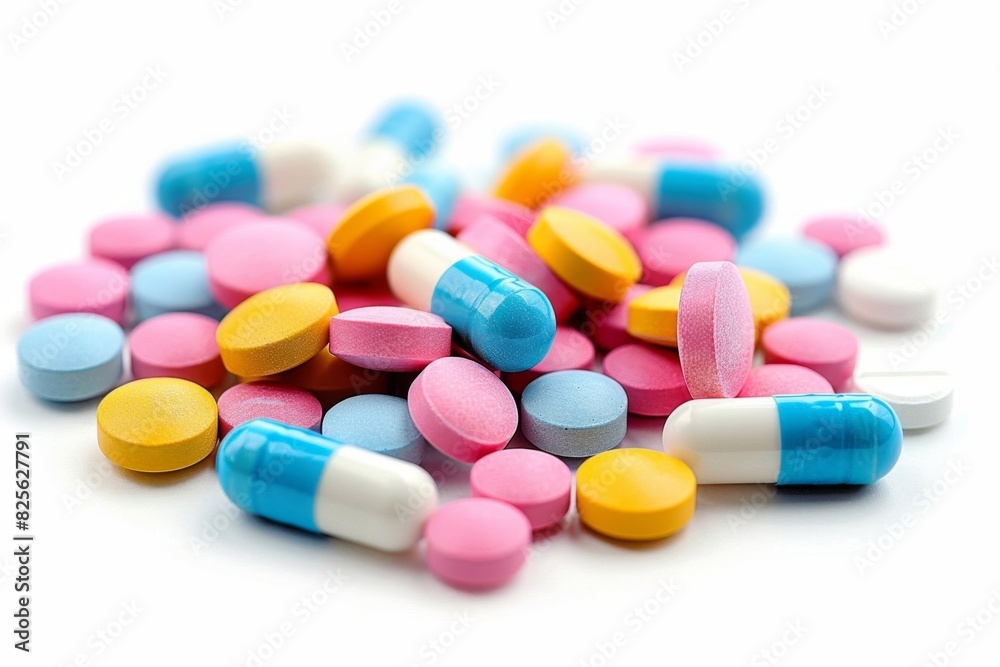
x=574, y=413
x=377, y=423
x=71, y=357
x=170, y=282
x=807, y=268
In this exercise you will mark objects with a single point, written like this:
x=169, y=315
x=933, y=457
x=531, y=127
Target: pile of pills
x=330, y=327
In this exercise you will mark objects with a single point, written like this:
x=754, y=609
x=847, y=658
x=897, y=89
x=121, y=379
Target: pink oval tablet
x=127, y=239
x=679, y=147
x=199, y=227
x=470, y=207
x=776, y=379
x=86, y=286
x=570, y=350
x=652, y=378
x=177, y=345
x=507, y=248
x=259, y=255
x=534, y=482
x=826, y=347
x=844, y=233
x=715, y=334
x=616, y=205
x=462, y=409
x=268, y=400
x=610, y=320
x=354, y=296
x=477, y=543
x=387, y=338
x=321, y=218
x=669, y=248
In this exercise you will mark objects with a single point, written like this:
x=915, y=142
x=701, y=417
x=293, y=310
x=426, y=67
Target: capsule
x=795, y=439
x=502, y=319
x=297, y=477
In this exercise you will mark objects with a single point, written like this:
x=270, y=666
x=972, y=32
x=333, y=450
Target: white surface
x=418, y=262
x=880, y=288
x=879, y=576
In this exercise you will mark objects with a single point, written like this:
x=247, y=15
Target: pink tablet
x=199, y=227
x=321, y=218
x=177, y=345
x=470, y=207
x=671, y=247
x=609, y=322
x=844, y=233
x=616, y=205
x=387, y=338
x=127, y=239
x=534, y=482
x=268, y=400
x=570, y=350
x=84, y=286
x=652, y=378
x=826, y=347
x=776, y=379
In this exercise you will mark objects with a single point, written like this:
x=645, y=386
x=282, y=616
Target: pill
x=200, y=227
x=574, y=413
x=796, y=439
x=826, y=347
x=715, y=332
x=921, y=399
x=585, y=253
x=178, y=345
x=506, y=321
x=608, y=322
x=681, y=148
x=462, y=409
x=370, y=228
x=570, y=350
x=386, y=338
x=331, y=379
x=618, y=206
x=651, y=377
x=175, y=281
x=268, y=400
x=378, y=423
x=276, y=330
x=470, y=207
x=442, y=188
x=669, y=248
x=157, y=425
x=260, y=255
x=883, y=289
x=323, y=486
x=350, y=297
x=127, y=239
x=477, y=543
x=70, y=357
x=770, y=300
x=652, y=317
x=534, y=482
x=536, y=173
x=521, y=137
x=85, y=286
x=635, y=494
x=807, y=268
x=843, y=233
x=320, y=218
x=775, y=379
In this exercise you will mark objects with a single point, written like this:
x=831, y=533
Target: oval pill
x=537, y=172
x=921, y=399
x=179, y=345
x=825, y=347
x=387, y=338
x=268, y=400
x=618, y=206
x=776, y=379
x=127, y=239
x=652, y=317
x=320, y=218
x=807, y=268
x=534, y=482
x=198, y=228
x=85, y=286
x=471, y=206
x=669, y=248
x=378, y=423
x=844, y=233
x=175, y=281
x=651, y=377
x=880, y=288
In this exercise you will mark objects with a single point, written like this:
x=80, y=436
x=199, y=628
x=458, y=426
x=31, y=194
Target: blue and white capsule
x=504, y=320
x=795, y=439
x=297, y=477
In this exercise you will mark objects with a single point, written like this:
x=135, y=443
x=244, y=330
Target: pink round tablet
x=616, y=205
x=570, y=350
x=177, y=345
x=462, y=409
x=534, y=482
x=610, y=321
x=652, y=378
x=477, y=543
x=776, y=379
x=507, y=248
x=715, y=333
x=470, y=207
x=388, y=338
x=86, y=286
x=669, y=248
x=127, y=239
x=844, y=233
x=826, y=347
x=268, y=400
x=259, y=255
x=321, y=218
x=354, y=296
x=679, y=147
x=199, y=227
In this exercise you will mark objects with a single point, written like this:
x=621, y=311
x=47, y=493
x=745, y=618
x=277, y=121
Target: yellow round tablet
x=537, y=173
x=585, y=253
x=157, y=424
x=635, y=494
x=276, y=329
x=770, y=300
x=652, y=317
x=363, y=239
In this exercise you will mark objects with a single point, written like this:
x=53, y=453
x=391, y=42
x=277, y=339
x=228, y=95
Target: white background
x=107, y=539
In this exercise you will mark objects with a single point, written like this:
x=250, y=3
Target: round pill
x=807, y=268
x=537, y=172
x=825, y=347
x=770, y=300
x=462, y=409
x=321, y=218
x=268, y=400
x=377, y=423
x=570, y=350
x=669, y=248
x=88, y=286
x=882, y=289
x=157, y=425
x=331, y=379
x=525, y=135
x=586, y=254
x=635, y=494
x=471, y=207
x=652, y=316
x=476, y=543
x=178, y=345
x=843, y=233
x=920, y=399
x=777, y=379
x=175, y=281
x=715, y=333
x=70, y=357
x=350, y=297
x=680, y=147
x=387, y=338
x=200, y=227
x=574, y=413
x=651, y=377
x=534, y=482
x=609, y=322
x=126, y=240
x=276, y=330
x=618, y=206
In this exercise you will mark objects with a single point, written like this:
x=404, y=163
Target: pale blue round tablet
x=807, y=268
x=171, y=282
x=71, y=357
x=574, y=413
x=377, y=423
